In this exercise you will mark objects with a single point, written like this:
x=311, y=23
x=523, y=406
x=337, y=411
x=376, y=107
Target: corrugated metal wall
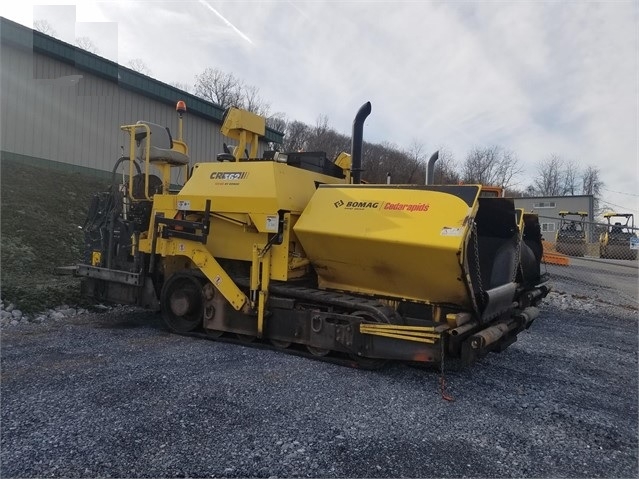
x=548, y=208
x=53, y=111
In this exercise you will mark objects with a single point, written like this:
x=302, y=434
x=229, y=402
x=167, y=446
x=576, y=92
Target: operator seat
x=161, y=145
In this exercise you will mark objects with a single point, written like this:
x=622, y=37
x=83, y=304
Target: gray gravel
x=116, y=395
x=11, y=316
x=614, y=282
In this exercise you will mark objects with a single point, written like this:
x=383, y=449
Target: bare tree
x=318, y=133
x=405, y=167
x=377, y=162
x=549, y=177
x=322, y=137
x=43, y=26
x=446, y=169
x=570, y=178
x=253, y=102
x=218, y=87
x=138, y=65
x=492, y=166
x=380, y=160
x=318, y=137
x=277, y=121
x=592, y=185
x=86, y=44
x=415, y=159
x=556, y=177
x=296, y=135
x=227, y=90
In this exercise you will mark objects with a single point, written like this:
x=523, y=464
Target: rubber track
x=378, y=310
x=333, y=357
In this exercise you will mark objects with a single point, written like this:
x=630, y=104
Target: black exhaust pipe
x=430, y=174
x=357, y=142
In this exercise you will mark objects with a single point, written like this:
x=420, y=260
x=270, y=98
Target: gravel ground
x=116, y=395
x=611, y=281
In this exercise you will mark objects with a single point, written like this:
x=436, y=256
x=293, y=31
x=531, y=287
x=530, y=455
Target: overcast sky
x=534, y=77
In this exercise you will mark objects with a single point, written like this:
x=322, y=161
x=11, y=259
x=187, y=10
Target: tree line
x=489, y=165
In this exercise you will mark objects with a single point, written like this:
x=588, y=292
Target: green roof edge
x=21, y=36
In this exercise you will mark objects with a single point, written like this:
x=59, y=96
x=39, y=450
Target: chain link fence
x=575, y=237
x=593, y=260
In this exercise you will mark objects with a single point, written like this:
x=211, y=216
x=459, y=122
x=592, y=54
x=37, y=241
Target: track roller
x=280, y=344
x=317, y=351
x=182, y=302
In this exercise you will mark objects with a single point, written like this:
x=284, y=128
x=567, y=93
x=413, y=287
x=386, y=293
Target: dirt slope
x=42, y=210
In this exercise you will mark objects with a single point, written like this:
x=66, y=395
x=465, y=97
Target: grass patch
x=42, y=210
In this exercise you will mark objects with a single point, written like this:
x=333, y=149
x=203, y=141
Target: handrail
x=164, y=167
x=131, y=129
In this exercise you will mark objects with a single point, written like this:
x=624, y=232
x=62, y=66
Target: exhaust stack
x=357, y=142
x=430, y=172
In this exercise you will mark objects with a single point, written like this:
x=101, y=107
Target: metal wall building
x=62, y=104
x=548, y=208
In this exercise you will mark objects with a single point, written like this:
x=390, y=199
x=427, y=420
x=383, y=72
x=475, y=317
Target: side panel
x=392, y=241
x=252, y=203
x=255, y=187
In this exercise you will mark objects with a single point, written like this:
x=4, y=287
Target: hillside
x=42, y=211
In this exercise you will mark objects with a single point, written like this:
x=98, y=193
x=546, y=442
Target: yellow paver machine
x=294, y=250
